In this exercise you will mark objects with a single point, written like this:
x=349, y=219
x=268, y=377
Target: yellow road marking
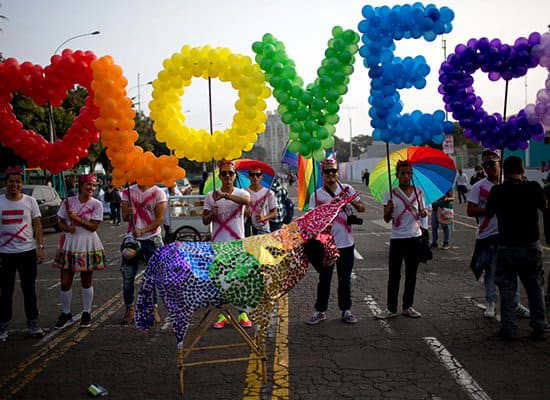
x=67, y=346
x=254, y=377
x=280, y=363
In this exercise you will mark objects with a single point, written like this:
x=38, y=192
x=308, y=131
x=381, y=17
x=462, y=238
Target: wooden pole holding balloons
x=504, y=119
x=211, y=132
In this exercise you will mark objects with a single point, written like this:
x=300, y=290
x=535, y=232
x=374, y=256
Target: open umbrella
x=433, y=171
x=242, y=166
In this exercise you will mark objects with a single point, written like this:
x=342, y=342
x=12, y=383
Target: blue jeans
x=526, y=263
x=344, y=266
x=488, y=259
x=435, y=228
x=129, y=271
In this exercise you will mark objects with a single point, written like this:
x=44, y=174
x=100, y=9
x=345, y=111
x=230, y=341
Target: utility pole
x=139, y=94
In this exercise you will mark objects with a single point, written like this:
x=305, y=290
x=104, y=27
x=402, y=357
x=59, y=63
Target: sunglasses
x=255, y=174
x=490, y=163
x=227, y=173
x=330, y=171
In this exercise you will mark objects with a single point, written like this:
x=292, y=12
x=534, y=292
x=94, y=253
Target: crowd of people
x=507, y=251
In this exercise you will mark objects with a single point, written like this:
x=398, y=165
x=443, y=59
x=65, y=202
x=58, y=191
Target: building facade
x=274, y=139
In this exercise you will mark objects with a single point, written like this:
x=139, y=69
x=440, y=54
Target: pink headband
x=15, y=170
x=86, y=178
x=226, y=163
x=328, y=161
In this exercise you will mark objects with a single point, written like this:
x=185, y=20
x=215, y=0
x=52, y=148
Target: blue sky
x=141, y=34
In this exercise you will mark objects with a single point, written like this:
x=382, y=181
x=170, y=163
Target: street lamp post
x=138, y=86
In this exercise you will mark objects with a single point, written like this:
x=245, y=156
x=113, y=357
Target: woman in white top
x=18, y=252
x=80, y=249
x=404, y=209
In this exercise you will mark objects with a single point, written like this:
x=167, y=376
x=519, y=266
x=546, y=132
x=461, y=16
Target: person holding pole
x=263, y=206
x=224, y=208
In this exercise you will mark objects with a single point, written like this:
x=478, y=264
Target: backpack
x=289, y=210
x=445, y=215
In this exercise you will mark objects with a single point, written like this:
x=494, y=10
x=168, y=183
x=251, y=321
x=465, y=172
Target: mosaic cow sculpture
x=251, y=274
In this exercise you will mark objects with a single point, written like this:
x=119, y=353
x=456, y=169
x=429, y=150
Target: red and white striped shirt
x=16, y=233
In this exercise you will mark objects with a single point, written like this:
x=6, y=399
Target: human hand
x=72, y=215
x=71, y=229
x=389, y=206
x=40, y=255
x=218, y=194
x=138, y=232
x=260, y=218
x=423, y=213
x=131, y=211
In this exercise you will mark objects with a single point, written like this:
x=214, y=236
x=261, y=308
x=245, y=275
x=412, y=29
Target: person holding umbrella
x=404, y=207
x=263, y=206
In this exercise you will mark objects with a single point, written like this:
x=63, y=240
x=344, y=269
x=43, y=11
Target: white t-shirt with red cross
x=144, y=204
x=16, y=233
x=341, y=230
x=405, y=216
x=229, y=224
x=260, y=203
x=91, y=210
x=478, y=195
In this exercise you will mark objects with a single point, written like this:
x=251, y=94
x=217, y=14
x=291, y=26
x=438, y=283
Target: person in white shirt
x=341, y=230
x=263, y=206
x=224, y=208
x=144, y=208
x=170, y=191
x=461, y=186
x=484, y=257
x=18, y=251
x=80, y=249
x=404, y=207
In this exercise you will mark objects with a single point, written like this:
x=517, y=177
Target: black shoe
x=85, y=320
x=63, y=321
x=538, y=335
x=506, y=335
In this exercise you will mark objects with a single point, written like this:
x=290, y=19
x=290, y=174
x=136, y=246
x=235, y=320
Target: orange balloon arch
x=116, y=123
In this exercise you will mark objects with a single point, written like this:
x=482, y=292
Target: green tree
x=257, y=153
x=360, y=143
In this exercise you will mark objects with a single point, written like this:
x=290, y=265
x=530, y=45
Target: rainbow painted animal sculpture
x=251, y=274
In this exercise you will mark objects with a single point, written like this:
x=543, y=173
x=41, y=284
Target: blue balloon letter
x=388, y=73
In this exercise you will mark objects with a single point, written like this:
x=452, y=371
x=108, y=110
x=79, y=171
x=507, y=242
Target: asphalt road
x=450, y=353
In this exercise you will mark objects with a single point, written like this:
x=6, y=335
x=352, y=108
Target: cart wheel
x=186, y=234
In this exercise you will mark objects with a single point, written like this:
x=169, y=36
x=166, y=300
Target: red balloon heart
x=42, y=85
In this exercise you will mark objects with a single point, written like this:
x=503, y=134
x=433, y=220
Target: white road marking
x=461, y=376
x=371, y=269
x=374, y=309
x=54, y=285
x=357, y=255
x=49, y=262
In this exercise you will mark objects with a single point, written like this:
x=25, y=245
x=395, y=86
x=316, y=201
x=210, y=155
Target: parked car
x=48, y=201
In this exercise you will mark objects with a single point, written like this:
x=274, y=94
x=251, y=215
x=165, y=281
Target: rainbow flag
x=306, y=187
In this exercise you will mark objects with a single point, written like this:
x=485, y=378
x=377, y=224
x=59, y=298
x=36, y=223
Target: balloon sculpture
x=116, y=122
x=199, y=145
x=311, y=113
x=540, y=111
x=42, y=85
x=380, y=28
x=499, y=61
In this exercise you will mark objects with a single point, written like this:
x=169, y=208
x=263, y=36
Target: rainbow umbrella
x=241, y=181
x=433, y=171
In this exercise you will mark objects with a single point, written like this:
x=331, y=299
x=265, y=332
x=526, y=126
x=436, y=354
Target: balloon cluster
x=380, y=28
x=311, y=113
x=49, y=84
x=499, y=61
x=540, y=111
x=116, y=122
x=207, y=62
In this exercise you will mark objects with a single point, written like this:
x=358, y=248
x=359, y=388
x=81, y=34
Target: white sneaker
x=385, y=314
x=411, y=313
x=490, y=310
x=3, y=335
x=522, y=311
